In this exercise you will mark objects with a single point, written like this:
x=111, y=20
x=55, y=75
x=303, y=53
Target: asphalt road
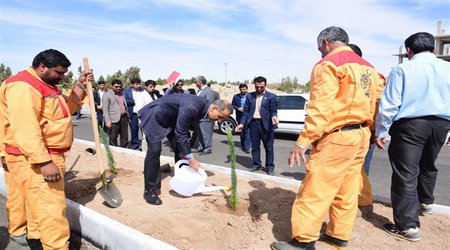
x=380, y=170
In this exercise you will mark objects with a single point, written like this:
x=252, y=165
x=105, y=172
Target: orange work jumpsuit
x=344, y=91
x=38, y=128
x=15, y=203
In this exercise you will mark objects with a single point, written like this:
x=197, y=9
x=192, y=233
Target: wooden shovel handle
x=94, y=121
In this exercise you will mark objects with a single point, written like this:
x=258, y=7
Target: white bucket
x=187, y=181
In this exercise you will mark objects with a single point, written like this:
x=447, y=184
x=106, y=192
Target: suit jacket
x=210, y=97
x=97, y=99
x=268, y=110
x=111, y=108
x=176, y=113
x=128, y=93
x=236, y=103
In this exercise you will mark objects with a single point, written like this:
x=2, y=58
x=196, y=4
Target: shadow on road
x=297, y=175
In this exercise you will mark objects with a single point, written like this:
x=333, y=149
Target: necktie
x=153, y=98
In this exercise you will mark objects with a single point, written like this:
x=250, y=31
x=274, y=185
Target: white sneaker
x=426, y=208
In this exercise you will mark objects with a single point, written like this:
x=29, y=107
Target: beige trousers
x=331, y=184
x=45, y=201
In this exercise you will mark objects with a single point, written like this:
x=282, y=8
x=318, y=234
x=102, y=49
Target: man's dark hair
x=223, y=105
x=51, y=58
x=243, y=85
x=355, y=49
x=116, y=81
x=260, y=79
x=150, y=82
x=420, y=42
x=332, y=34
x=135, y=80
x=100, y=82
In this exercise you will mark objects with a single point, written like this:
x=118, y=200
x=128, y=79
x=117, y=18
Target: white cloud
x=270, y=38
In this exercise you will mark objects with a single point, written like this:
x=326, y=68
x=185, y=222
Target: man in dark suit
x=238, y=103
x=134, y=96
x=150, y=86
x=171, y=117
x=98, y=95
x=260, y=115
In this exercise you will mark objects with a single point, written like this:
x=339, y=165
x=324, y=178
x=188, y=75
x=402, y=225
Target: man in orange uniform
x=38, y=130
x=15, y=203
x=344, y=90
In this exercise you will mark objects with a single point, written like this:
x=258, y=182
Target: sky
x=222, y=40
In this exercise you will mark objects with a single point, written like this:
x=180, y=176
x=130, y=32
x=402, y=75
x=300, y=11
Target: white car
x=291, y=113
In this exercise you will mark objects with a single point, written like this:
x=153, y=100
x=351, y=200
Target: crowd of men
x=351, y=108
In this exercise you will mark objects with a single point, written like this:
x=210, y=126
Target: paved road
x=380, y=172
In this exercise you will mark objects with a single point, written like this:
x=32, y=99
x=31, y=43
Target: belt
x=256, y=120
x=351, y=127
x=52, y=151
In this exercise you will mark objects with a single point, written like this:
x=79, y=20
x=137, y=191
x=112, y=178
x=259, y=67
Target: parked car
x=291, y=113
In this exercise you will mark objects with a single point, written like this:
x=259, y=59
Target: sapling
x=233, y=199
x=109, y=155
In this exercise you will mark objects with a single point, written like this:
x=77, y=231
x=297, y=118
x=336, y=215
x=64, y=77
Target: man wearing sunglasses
x=115, y=114
x=260, y=115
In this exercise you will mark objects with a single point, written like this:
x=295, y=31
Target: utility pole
x=225, y=72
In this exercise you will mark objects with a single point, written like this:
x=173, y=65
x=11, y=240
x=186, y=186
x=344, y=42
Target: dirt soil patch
x=204, y=221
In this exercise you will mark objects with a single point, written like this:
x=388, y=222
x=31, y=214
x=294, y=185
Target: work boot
x=334, y=242
x=292, y=245
x=364, y=210
x=35, y=244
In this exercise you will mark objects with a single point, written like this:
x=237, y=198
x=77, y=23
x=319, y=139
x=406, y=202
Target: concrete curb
x=110, y=234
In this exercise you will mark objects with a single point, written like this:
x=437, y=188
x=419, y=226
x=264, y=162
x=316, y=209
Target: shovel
x=108, y=190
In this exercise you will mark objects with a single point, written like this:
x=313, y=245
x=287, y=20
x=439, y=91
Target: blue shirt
x=419, y=87
x=243, y=98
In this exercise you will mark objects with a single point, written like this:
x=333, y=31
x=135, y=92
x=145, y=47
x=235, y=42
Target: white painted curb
x=110, y=234
x=107, y=233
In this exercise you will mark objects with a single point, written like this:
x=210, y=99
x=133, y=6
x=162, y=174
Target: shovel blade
x=111, y=194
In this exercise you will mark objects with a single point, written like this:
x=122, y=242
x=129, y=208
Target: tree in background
x=289, y=85
x=68, y=81
x=117, y=75
x=5, y=72
x=131, y=73
x=124, y=77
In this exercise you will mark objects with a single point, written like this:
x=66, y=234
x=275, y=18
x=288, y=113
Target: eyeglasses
x=260, y=87
x=117, y=87
x=179, y=85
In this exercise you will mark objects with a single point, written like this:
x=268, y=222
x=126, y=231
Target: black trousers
x=119, y=128
x=415, y=145
x=152, y=164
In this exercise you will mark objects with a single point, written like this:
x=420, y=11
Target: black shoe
x=151, y=197
x=34, y=244
x=253, y=169
x=292, y=245
x=334, y=242
x=270, y=172
x=246, y=151
x=205, y=152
